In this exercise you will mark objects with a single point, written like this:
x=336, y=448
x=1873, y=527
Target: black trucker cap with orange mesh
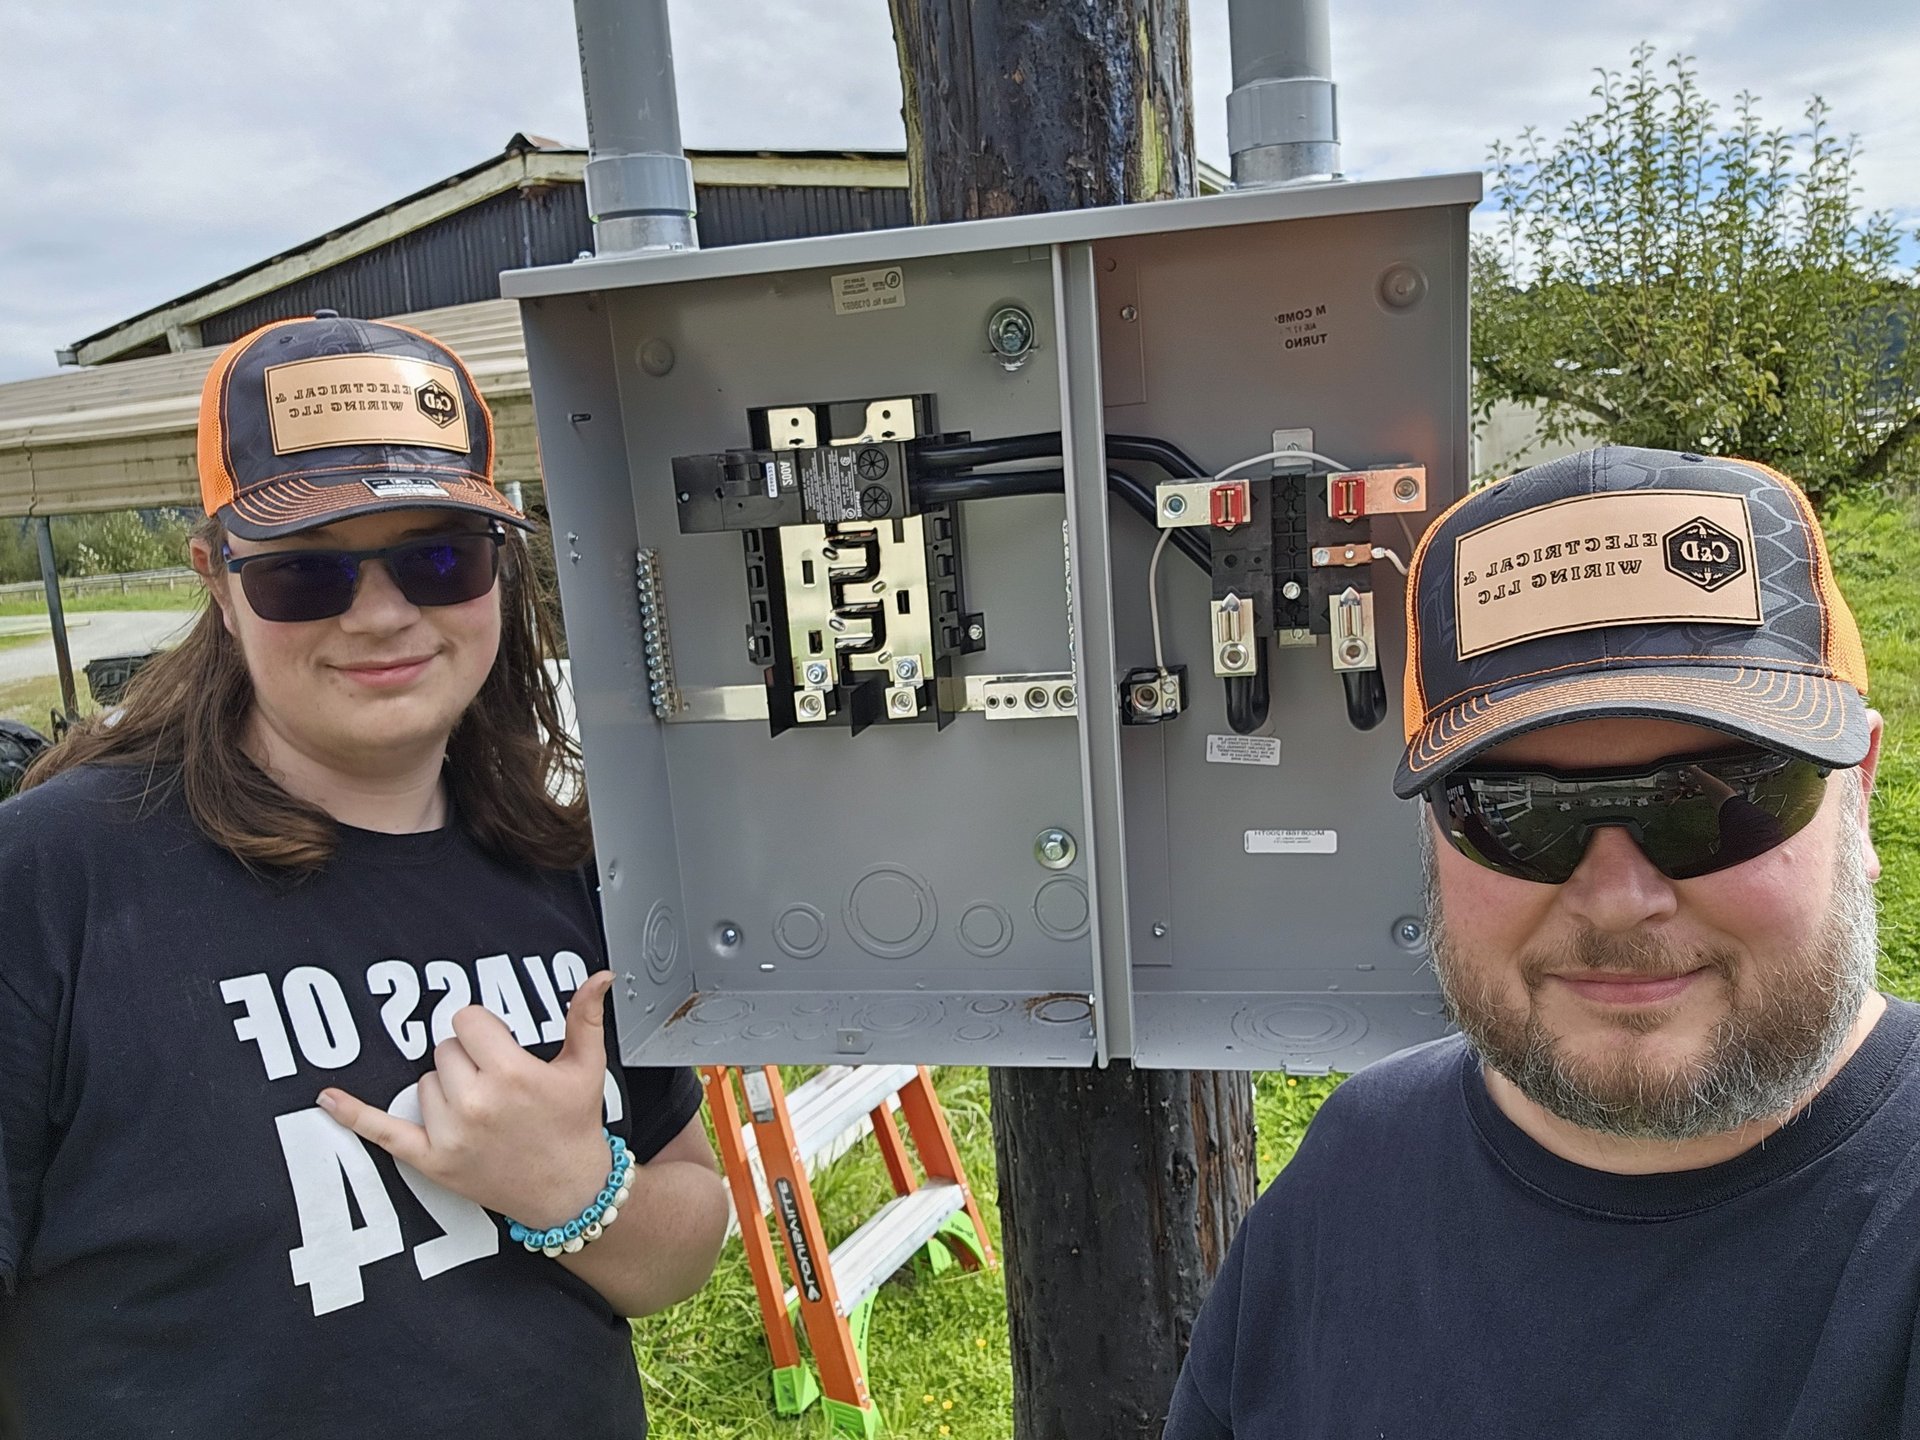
x=1627, y=582
x=308, y=421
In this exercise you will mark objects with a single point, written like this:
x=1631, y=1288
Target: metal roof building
x=118, y=432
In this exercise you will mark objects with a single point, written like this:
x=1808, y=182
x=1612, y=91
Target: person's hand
x=518, y=1135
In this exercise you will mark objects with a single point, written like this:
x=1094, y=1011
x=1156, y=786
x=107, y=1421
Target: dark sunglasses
x=1690, y=815
x=295, y=585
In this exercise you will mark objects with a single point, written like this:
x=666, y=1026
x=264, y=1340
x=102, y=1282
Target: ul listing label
x=858, y=291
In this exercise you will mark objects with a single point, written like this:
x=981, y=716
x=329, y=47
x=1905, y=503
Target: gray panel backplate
x=817, y=896
x=1289, y=960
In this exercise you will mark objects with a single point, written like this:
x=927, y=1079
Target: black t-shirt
x=1424, y=1269
x=189, y=1246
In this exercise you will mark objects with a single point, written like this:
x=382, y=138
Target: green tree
x=1662, y=279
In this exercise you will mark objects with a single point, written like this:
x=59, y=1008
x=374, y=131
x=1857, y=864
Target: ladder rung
x=861, y=1263
x=829, y=1114
x=832, y=1103
x=843, y=1102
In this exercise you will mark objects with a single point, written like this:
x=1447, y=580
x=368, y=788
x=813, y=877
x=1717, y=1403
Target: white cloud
x=153, y=149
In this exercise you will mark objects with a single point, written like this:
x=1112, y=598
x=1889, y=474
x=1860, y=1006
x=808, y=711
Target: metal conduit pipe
x=1283, y=122
x=639, y=183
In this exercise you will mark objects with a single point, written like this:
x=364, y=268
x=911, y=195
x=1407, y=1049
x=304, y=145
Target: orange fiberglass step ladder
x=769, y=1148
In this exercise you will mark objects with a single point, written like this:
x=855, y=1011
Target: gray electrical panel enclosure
x=1048, y=888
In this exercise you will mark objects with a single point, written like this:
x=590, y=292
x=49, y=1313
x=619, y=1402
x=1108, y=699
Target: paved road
x=107, y=632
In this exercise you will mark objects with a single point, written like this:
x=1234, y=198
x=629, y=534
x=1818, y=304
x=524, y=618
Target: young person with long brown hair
x=300, y=1134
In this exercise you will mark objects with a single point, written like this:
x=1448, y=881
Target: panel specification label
x=1293, y=842
x=858, y=291
x=1242, y=750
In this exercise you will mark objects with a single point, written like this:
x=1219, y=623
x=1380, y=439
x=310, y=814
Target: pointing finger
x=401, y=1139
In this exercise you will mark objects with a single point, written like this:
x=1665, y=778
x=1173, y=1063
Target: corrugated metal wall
x=454, y=261
x=458, y=260
x=744, y=214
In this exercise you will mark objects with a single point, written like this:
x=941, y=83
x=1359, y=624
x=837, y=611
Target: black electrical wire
x=987, y=485
x=1366, y=697
x=996, y=484
x=1164, y=453
x=1249, y=696
x=966, y=454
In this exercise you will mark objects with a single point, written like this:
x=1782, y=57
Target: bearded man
x=1662, y=1181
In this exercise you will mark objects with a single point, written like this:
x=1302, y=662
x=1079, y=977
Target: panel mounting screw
x=907, y=668
x=1291, y=590
x=1055, y=849
x=976, y=632
x=816, y=673
x=1409, y=932
x=1159, y=930
x=1129, y=312
x=729, y=936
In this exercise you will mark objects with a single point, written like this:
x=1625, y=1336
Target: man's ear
x=1867, y=769
x=213, y=575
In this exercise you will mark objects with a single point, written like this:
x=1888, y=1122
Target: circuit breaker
x=987, y=638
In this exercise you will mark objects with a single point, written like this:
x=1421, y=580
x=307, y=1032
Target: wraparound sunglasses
x=1690, y=815
x=296, y=585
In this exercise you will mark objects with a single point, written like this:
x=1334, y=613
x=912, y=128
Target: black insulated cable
x=998, y=484
x=1249, y=697
x=1366, y=697
x=1044, y=445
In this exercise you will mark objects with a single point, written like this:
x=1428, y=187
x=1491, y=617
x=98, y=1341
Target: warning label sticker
x=858, y=291
x=1242, y=750
x=829, y=486
x=1293, y=842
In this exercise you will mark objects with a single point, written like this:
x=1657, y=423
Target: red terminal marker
x=1347, y=497
x=1229, y=504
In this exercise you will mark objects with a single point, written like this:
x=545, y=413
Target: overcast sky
x=148, y=149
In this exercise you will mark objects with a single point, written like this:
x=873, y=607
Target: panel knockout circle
x=1060, y=906
x=660, y=941
x=891, y=912
x=1300, y=1027
x=985, y=929
x=801, y=931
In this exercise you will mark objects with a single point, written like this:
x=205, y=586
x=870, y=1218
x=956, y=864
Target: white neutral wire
x=1381, y=552
x=1153, y=598
x=1412, y=544
x=1326, y=460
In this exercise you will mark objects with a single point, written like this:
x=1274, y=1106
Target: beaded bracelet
x=592, y=1222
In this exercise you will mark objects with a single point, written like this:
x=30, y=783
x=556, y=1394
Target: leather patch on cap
x=1635, y=558
x=365, y=400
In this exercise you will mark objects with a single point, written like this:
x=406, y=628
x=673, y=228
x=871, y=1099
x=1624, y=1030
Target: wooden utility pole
x=1119, y=1188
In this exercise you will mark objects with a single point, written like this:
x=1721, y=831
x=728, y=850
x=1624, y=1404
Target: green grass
x=186, y=597
x=31, y=700
x=1876, y=552
x=705, y=1362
